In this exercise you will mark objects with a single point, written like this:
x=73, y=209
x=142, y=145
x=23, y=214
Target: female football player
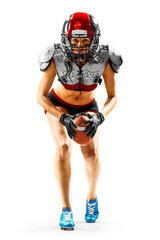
x=78, y=62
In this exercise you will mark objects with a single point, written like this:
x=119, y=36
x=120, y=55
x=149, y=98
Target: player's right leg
x=62, y=164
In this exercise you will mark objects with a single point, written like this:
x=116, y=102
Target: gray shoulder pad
x=115, y=60
x=45, y=57
x=102, y=55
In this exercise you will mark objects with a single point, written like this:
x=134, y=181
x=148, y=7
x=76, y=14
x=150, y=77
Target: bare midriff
x=74, y=97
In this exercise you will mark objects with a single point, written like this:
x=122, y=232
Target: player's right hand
x=68, y=121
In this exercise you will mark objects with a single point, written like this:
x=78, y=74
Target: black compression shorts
x=72, y=109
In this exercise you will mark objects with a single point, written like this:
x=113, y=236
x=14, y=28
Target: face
x=81, y=43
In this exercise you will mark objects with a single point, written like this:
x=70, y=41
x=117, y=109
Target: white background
x=128, y=187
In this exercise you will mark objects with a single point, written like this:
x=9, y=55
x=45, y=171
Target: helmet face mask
x=80, y=49
x=84, y=30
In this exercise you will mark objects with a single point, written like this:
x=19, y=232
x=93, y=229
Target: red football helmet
x=80, y=25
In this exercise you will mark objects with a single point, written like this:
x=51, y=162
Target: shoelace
x=67, y=216
x=91, y=208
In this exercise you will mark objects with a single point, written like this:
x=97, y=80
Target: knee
x=64, y=150
x=92, y=159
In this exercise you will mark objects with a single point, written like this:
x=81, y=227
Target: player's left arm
x=98, y=118
x=110, y=85
x=109, y=80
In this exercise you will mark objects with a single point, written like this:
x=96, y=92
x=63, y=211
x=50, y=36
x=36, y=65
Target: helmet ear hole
x=63, y=40
x=96, y=40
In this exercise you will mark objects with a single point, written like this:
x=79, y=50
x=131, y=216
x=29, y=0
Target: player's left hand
x=94, y=121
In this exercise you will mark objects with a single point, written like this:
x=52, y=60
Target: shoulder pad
x=115, y=60
x=57, y=46
x=102, y=54
x=45, y=57
x=104, y=47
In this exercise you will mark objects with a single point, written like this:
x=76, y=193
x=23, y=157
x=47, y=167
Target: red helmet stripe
x=80, y=21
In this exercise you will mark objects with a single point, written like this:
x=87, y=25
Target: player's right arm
x=43, y=89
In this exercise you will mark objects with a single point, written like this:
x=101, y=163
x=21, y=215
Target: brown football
x=81, y=137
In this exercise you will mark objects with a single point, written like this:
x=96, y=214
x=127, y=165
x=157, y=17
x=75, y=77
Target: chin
x=81, y=60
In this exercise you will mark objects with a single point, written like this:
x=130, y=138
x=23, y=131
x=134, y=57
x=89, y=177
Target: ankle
x=64, y=207
x=91, y=197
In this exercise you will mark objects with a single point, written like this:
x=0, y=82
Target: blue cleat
x=91, y=211
x=66, y=220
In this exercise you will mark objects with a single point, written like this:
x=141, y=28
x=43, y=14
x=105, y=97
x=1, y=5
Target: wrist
x=101, y=117
x=62, y=116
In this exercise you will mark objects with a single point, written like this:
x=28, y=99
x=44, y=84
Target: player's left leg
x=92, y=165
x=92, y=169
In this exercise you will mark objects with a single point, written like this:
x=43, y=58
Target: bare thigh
x=58, y=131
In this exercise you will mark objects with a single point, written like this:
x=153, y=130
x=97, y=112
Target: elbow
x=38, y=98
x=113, y=98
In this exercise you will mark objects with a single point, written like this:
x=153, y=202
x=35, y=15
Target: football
x=81, y=137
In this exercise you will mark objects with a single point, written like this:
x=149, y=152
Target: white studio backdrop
x=128, y=187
